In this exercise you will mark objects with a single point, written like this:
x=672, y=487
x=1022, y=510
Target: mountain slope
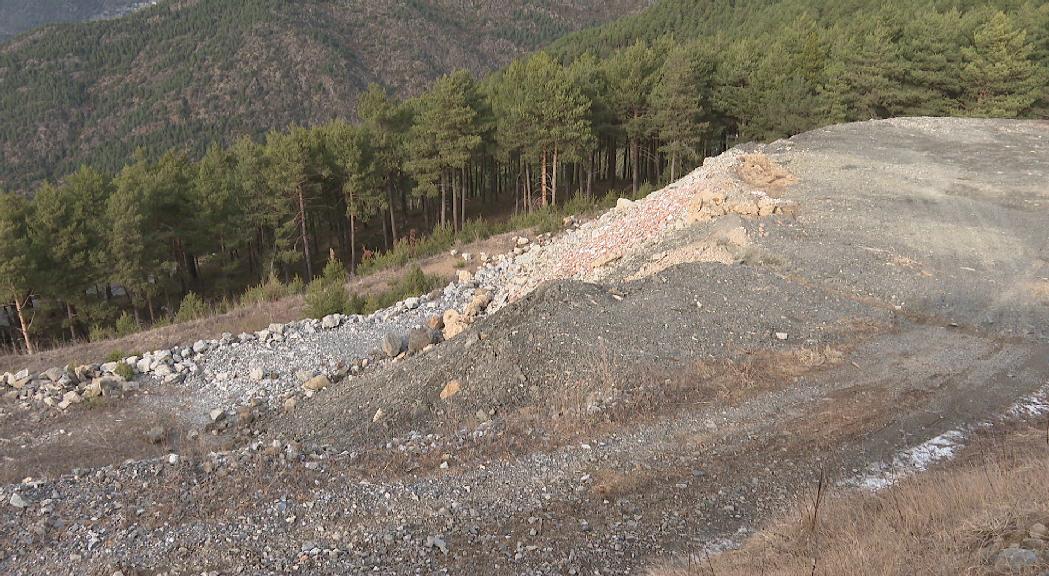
x=17, y=16
x=184, y=73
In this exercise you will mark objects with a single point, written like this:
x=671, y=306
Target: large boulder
x=418, y=339
x=392, y=344
x=454, y=323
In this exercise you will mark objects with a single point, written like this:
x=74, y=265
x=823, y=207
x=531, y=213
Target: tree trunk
x=22, y=323
x=353, y=244
x=528, y=187
x=70, y=315
x=393, y=217
x=463, y=205
x=444, y=198
x=590, y=177
x=542, y=181
x=612, y=154
x=149, y=304
x=455, y=203
x=305, y=240
x=673, y=166
x=634, y=157
x=553, y=183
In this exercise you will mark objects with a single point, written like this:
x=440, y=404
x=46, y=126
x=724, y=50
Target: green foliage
x=124, y=371
x=327, y=294
x=271, y=290
x=116, y=356
x=415, y=283
x=126, y=325
x=1000, y=78
x=192, y=308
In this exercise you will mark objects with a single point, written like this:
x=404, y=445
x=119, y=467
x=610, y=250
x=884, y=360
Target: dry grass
x=947, y=522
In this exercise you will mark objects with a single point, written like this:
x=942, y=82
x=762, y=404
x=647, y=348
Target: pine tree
x=444, y=138
x=70, y=232
x=678, y=105
x=631, y=76
x=1000, y=78
x=132, y=255
x=288, y=173
x=17, y=263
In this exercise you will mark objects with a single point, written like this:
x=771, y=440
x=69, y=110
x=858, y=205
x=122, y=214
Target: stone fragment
x=418, y=339
x=392, y=344
x=450, y=389
x=317, y=383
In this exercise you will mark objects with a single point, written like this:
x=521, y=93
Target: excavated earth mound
x=659, y=381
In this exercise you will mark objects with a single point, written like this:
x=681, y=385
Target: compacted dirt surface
x=658, y=382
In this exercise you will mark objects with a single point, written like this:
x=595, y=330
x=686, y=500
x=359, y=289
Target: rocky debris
x=435, y=323
x=392, y=344
x=317, y=383
x=454, y=323
x=450, y=389
x=18, y=501
x=419, y=339
x=1015, y=559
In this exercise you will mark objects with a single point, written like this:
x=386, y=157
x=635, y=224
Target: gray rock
x=257, y=374
x=22, y=374
x=419, y=338
x=217, y=414
x=18, y=501
x=411, y=303
x=54, y=374
x=200, y=346
x=437, y=542
x=330, y=321
x=392, y=344
x=1015, y=559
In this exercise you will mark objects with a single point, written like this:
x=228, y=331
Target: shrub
x=327, y=294
x=97, y=333
x=191, y=308
x=124, y=371
x=116, y=356
x=126, y=325
x=271, y=290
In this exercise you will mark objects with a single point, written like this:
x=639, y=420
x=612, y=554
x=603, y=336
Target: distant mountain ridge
x=185, y=73
x=17, y=16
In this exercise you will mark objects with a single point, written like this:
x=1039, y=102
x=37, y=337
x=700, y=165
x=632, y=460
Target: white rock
x=200, y=346
x=173, y=459
x=623, y=203
x=17, y=501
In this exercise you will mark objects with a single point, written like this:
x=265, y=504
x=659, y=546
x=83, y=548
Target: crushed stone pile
x=734, y=183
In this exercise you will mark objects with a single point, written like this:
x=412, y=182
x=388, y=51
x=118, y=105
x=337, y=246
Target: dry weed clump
x=947, y=522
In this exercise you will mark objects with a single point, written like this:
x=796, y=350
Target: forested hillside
x=17, y=16
x=185, y=73
x=618, y=108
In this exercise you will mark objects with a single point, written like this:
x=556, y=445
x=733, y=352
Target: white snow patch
x=941, y=448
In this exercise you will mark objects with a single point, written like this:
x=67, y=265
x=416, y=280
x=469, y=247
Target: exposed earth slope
x=661, y=380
